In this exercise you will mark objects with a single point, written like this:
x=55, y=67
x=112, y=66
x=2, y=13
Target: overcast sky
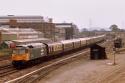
x=84, y=13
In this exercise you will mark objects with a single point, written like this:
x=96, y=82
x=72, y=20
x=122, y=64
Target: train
x=25, y=53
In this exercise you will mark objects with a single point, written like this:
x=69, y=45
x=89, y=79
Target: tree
x=114, y=28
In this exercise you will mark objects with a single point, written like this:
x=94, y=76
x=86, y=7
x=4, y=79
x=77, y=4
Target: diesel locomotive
x=27, y=52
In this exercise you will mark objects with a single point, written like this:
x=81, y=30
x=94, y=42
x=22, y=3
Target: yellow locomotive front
x=20, y=55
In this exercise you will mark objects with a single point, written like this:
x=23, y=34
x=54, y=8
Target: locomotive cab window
x=19, y=51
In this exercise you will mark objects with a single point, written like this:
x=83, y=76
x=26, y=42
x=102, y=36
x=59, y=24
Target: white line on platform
x=11, y=81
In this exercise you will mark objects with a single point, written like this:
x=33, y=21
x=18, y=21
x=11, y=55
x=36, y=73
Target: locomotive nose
x=23, y=57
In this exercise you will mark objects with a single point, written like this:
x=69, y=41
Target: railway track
x=6, y=70
x=5, y=66
x=2, y=58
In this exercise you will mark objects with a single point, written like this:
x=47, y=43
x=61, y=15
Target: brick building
x=67, y=30
x=46, y=26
